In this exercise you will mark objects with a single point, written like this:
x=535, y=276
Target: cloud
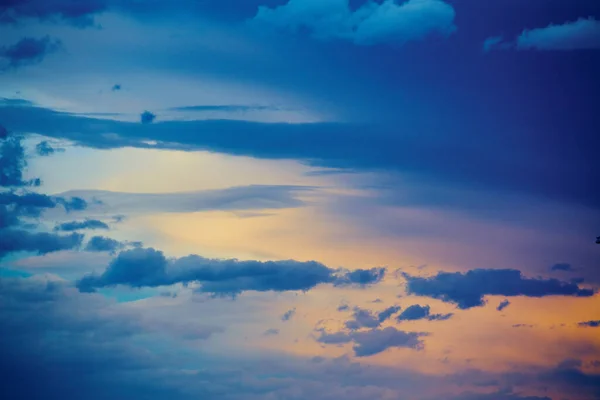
x=150, y=268
x=418, y=312
x=255, y=197
x=342, y=147
x=116, y=87
x=361, y=277
x=77, y=225
x=387, y=313
x=15, y=206
x=374, y=23
x=13, y=163
x=583, y=34
x=44, y=148
x=374, y=341
x=225, y=107
x=561, y=267
x=147, y=117
x=72, y=204
x=288, y=314
x=271, y=332
x=468, y=290
x=14, y=240
x=503, y=305
x=368, y=319
x=77, y=13
x=590, y=324
x=102, y=243
x=362, y=319
x=29, y=51
x=414, y=312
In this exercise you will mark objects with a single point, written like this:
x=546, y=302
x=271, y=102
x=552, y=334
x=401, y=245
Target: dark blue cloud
x=13, y=162
x=417, y=312
x=15, y=240
x=77, y=13
x=102, y=243
x=150, y=268
x=368, y=319
x=468, y=290
x=590, y=324
x=414, y=312
x=288, y=314
x=561, y=267
x=147, y=117
x=362, y=319
x=72, y=204
x=387, y=313
x=374, y=341
x=28, y=51
x=44, y=148
x=15, y=206
x=503, y=304
x=485, y=163
x=361, y=277
x=76, y=225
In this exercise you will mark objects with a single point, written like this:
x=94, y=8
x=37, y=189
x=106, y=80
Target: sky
x=300, y=199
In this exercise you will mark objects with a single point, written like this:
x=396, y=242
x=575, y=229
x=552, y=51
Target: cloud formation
x=561, y=267
x=417, y=312
x=373, y=23
x=102, y=243
x=77, y=225
x=288, y=315
x=468, y=290
x=77, y=13
x=147, y=117
x=28, y=51
x=374, y=341
x=13, y=162
x=254, y=197
x=150, y=268
x=14, y=240
x=44, y=148
x=583, y=34
x=590, y=324
x=503, y=304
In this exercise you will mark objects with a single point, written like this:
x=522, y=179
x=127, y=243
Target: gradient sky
x=300, y=199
